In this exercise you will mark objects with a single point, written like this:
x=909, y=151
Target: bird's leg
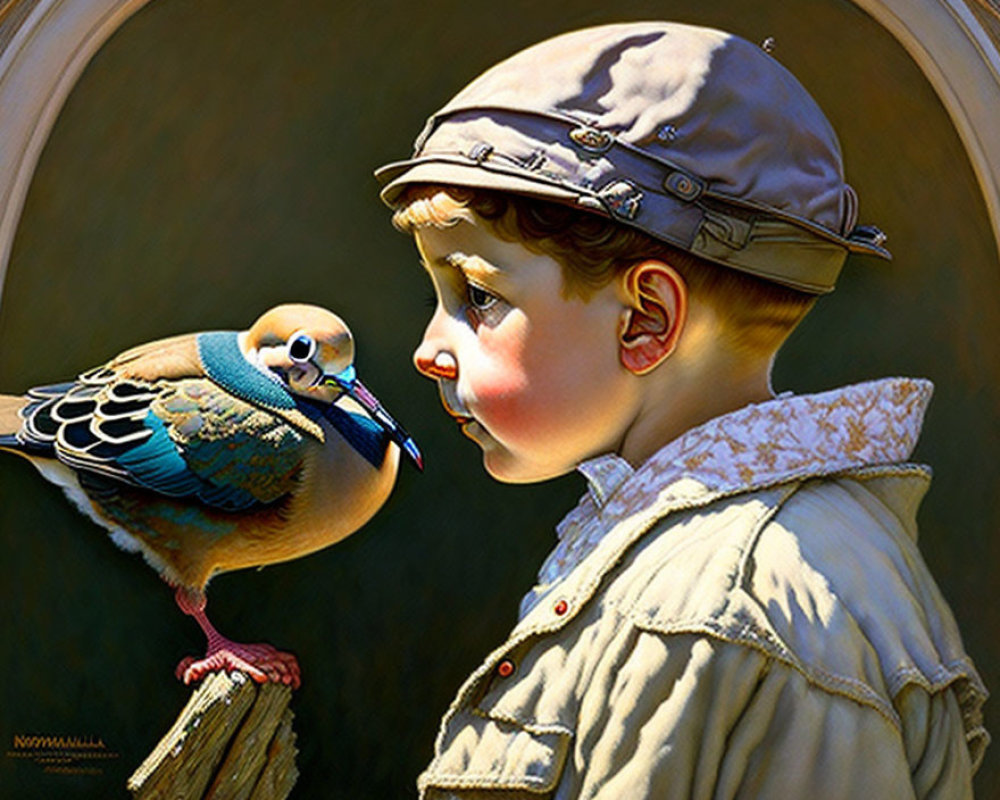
x=262, y=662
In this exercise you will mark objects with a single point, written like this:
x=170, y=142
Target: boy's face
x=531, y=375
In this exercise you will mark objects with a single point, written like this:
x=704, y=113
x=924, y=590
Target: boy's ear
x=651, y=327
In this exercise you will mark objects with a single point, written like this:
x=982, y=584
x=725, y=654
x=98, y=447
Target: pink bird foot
x=261, y=662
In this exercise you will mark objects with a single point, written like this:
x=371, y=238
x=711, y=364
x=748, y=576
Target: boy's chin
x=504, y=467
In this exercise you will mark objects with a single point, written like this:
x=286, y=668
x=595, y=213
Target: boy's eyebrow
x=471, y=264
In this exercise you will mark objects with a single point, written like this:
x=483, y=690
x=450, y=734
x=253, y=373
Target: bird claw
x=261, y=662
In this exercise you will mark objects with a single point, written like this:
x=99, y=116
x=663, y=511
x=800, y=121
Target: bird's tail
x=10, y=422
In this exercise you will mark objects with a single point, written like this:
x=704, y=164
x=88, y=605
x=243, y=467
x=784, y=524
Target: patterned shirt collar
x=862, y=425
x=789, y=437
x=604, y=475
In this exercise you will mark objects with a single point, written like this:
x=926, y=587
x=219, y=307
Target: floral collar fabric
x=789, y=437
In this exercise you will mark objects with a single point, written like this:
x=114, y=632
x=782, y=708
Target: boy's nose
x=442, y=365
x=432, y=357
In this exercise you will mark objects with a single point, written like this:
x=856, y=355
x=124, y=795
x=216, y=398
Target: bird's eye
x=301, y=348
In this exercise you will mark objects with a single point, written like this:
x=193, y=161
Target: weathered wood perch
x=233, y=741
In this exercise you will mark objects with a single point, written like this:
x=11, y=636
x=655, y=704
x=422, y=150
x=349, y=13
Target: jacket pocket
x=483, y=753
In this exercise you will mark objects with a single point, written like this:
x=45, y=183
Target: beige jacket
x=754, y=622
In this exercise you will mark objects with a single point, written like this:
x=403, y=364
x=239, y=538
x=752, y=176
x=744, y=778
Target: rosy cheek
x=510, y=398
x=502, y=405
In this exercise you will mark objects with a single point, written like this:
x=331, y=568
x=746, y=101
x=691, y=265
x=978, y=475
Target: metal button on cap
x=686, y=187
x=481, y=151
x=592, y=140
x=622, y=198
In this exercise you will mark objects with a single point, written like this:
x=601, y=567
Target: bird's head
x=311, y=350
x=304, y=346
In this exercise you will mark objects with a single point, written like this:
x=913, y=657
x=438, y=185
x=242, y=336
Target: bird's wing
x=247, y=454
x=127, y=380
x=181, y=437
x=165, y=359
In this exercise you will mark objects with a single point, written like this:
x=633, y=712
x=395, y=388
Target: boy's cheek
x=523, y=415
x=499, y=402
x=517, y=394
x=495, y=383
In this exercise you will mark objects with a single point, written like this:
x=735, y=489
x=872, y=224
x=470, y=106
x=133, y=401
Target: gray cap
x=695, y=136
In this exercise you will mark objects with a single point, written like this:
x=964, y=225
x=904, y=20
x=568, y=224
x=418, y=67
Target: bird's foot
x=262, y=662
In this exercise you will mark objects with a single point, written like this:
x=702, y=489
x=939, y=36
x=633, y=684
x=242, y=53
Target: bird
x=216, y=451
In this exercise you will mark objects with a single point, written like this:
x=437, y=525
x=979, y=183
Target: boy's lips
x=460, y=418
x=468, y=424
x=452, y=404
x=463, y=420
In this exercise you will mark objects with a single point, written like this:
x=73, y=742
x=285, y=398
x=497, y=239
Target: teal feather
x=159, y=464
x=224, y=363
x=156, y=464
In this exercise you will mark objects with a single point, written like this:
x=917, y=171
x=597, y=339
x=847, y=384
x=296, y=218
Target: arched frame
x=44, y=47
x=46, y=44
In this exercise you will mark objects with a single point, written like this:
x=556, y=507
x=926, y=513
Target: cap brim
x=397, y=176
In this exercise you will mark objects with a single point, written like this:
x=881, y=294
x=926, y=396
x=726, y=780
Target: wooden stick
x=233, y=741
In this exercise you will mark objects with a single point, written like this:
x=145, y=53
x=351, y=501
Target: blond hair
x=756, y=315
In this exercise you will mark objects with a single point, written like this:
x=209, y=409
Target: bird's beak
x=347, y=381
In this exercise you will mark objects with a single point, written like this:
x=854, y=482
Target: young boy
x=622, y=225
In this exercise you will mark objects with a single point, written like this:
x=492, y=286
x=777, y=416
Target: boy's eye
x=479, y=298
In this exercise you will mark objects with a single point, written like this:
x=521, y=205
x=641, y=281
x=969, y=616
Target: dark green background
x=215, y=159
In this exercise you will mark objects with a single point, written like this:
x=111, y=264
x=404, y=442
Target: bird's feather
x=179, y=434
x=165, y=359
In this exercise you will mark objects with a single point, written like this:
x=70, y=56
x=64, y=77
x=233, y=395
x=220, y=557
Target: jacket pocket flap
x=478, y=752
